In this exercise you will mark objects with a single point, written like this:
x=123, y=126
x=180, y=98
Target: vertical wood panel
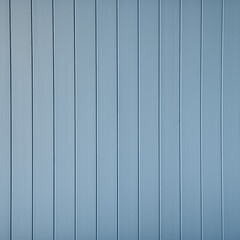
x=128, y=120
x=5, y=109
x=120, y=119
x=148, y=124
x=42, y=120
x=86, y=119
x=64, y=119
x=231, y=119
x=21, y=120
x=107, y=121
x=190, y=119
x=211, y=119
x=170, y=194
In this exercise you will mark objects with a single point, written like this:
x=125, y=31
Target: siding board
x=190, y=119
x=5, y=125
x=21, y=119
x=42, y=120
x=148, y=120
x=231, y=119
x=169, y=100
x=86, y=119
x=211, y=119
x=64, y=119
x=119, y=119
x=106, y=120
x=128, y=120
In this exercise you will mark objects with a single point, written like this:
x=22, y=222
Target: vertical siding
x=64, y=147
x=148, y=120
x=42, y=120
x=5, y=121
x=107, y=111
x=231, y=119
x=119, y=119
x=169, y=120
x=85, y=118
x=128, y=119
x=211, y=119
x=21, y=64
x=190, y=118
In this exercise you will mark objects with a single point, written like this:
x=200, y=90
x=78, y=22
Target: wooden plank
x=190, y=119
x=21, y=120
x=107, y=121
x=4, y=121
x=170, y=194
x=128, y=120
x=231, y=119
x=86, y=119
x=42, y=120
x=64, y=119
x=211, y=119
x=148, y=120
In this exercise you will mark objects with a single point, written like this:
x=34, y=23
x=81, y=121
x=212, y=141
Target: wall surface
x=119, y=119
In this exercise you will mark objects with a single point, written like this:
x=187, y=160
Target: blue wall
x=119, y=119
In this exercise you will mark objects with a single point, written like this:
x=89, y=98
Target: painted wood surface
x=42, y=35
x=5, y=121
x=119, y=119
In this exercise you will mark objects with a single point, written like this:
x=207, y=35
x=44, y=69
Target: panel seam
x=180, y=115
x=138, y=77
x=221, y=121
x=96, y=102
x=159, y=118
x=54, y=147
x=117, y=70
x=201, y=82
x=32, y=109
x=10, y=63
x=75, y=121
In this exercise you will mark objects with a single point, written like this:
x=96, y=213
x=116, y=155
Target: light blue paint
x=86, y=119
x=231, y=119
x=5, y=164
x=42, y=119
x=21, y=56
x=128, y=120
x=64, y=148
x=190, y=118
x=169, y=120
x=211, y=119
x=148, y=120
x=106, y=121
x=119, y=119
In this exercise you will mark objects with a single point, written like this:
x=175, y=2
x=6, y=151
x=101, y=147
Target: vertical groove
x=180, y=116
x=159, y=118
x=138, y=77
x=221, y=121
x=117, y=66
x=53, y=57
x=96, y=78
x=75, y=121
x=10, y=63
x=201, y=82
x=32, y=101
